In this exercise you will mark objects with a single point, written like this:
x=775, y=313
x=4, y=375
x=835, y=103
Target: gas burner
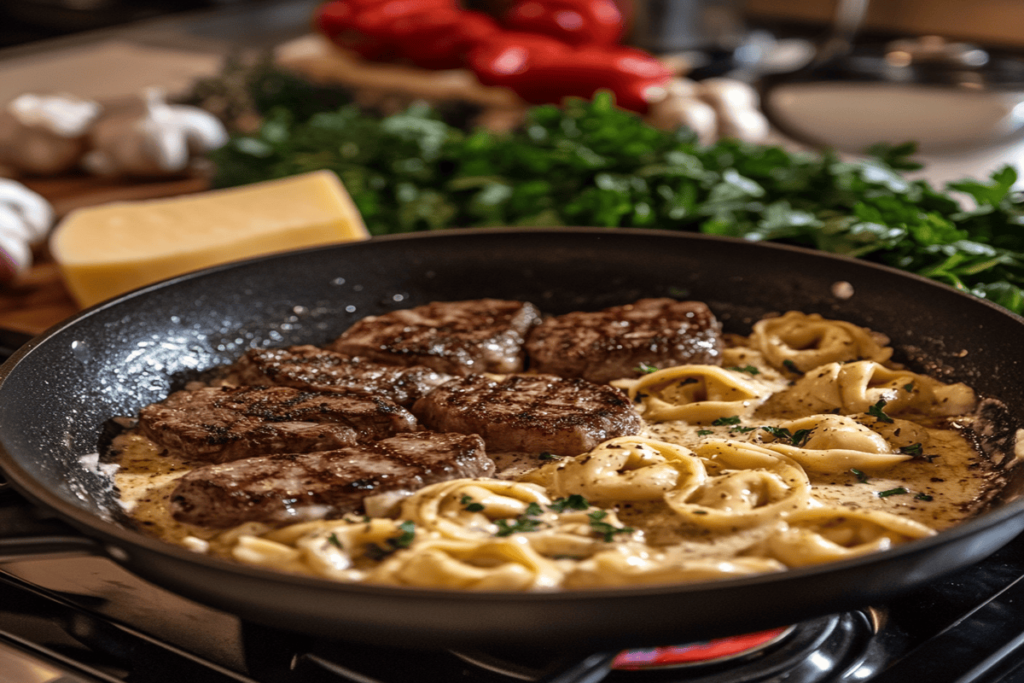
x=836, y=648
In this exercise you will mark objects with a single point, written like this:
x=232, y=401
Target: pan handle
x=26, y=535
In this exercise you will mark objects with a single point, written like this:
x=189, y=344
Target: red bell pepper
x=441, y=38
x=577, y=22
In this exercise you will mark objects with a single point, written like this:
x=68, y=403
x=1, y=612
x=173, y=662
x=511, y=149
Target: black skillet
x=57, y=391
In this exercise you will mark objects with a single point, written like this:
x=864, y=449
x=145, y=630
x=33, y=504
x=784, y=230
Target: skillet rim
x=30, y=487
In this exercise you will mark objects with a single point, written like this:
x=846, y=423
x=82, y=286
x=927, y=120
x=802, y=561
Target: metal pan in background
x=57, y=391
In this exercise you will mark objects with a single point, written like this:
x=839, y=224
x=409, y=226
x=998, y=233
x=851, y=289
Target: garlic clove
x=34, y=212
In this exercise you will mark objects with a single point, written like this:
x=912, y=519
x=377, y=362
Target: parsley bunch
x=590, y=163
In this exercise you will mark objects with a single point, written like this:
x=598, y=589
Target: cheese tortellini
x=809, y=445
x=801, y=342
x=698, y=394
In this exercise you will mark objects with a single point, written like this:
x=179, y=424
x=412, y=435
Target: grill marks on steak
x=293, y=487
x=311, y=367
x=530, y=413
x=457, y=337
x=222, y=424
x=610, y=344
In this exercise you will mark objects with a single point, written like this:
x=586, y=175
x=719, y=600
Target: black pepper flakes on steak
x=611, y=344
x=457, y=337
x=295, y=487
x=530, y=413
x=311, y=367
x=218, y=424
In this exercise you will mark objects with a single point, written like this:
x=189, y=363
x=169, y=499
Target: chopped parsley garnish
x=333, y=540
x=606, y=530
x=749, y=369
x=742, y=430
x=704, y=432
x=533, y=509
x=909, y=387
x=913, y=449
x=797, y=438
x=519, y=525
x=403, y=540
x=923, y=496
x=861, y=477
x=548, y=456
x=572, y=502
x=790, y=365
x=470, y=505
x=893, y=492
x=876, y=412
x=723, y=421
x=645, y=369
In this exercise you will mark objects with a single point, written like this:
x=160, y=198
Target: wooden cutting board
x=39, y=300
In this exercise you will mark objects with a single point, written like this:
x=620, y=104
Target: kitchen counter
x=171, y=52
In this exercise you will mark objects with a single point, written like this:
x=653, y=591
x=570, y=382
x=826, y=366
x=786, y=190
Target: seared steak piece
x=222, y=424
x=458, y=337
x=611, y=344
x=311, y=367
x=530, y=413
x=294, y=487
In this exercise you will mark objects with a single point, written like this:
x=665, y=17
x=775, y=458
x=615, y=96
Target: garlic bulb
x=164, y=140
x=25, y=219
x=45, y=134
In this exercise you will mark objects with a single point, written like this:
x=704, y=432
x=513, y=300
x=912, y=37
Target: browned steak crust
x=311, y=367
x=530, y=413
x=292, y=487
x=222, y=424
x=613, y=343
x=457, y=337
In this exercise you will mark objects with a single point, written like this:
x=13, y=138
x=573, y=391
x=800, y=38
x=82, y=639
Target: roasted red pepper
x=544, y=71
x=577, y=22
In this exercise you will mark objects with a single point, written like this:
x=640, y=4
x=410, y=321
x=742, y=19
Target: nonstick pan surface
x=58, y=391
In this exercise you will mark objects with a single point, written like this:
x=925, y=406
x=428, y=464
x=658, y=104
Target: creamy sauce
x=945, y=482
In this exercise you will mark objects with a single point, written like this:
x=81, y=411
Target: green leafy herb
x=742, y=430
x=908, y=387
x=606, y=530
x=548, y=456
x=519, y=525
x=861, y=477
x=704, y=432
x=892, y=492
x=590, y=163
x=797, y=438
x=876, y=411
x=723, y=421
x=533, y=509
x=749, y=369
x=913, y=449
x=790, y=365
x=470, y=505
x=332, y=538
x=645, y=369
x=573, y=501
x=403, y=540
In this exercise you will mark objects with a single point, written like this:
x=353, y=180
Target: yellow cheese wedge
x=110, y=249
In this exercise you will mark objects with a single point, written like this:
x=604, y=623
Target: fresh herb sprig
x=590, y=163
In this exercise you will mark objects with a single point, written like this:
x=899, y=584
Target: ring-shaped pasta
x=753, y=487
x=627, y=565
x=698, y=394
x=805, y=341
x=627, y=468
x=856, y=387
x=834, y=443
x=495, y=564
x=829, y=534
x=465, y=509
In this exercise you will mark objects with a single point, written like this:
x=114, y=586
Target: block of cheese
x=112, y=248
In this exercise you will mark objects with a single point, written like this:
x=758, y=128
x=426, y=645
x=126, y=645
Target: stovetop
x=84, y=619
